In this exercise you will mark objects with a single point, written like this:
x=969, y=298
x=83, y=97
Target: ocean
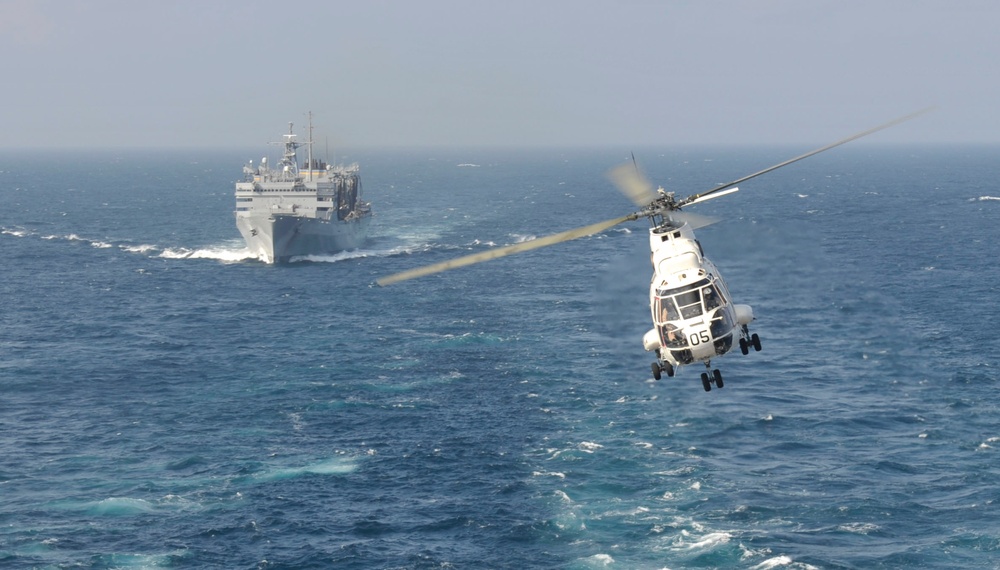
x=167, y=401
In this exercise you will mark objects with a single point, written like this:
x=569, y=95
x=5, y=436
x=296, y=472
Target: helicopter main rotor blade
x=505, y=251
x=632, y=183
x=696, y=221
x=892, y=123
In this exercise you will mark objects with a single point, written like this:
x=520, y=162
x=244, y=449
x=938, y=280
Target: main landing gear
x=711, y=376
x=747, y=340
x=659, y=369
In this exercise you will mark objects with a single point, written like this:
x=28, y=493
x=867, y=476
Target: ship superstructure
x=288, y=211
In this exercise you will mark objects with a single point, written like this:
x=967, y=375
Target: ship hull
x=279, y=238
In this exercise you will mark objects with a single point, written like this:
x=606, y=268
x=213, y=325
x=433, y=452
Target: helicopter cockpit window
x=689, y=303
x=711, y=297
x=666, y=310
x=671, y=337
x=721, y=324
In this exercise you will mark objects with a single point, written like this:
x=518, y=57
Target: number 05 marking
x=698, y=338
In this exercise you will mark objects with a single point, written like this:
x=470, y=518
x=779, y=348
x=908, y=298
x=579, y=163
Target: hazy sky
x=220, y=73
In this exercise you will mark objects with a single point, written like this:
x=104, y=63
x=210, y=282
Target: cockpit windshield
x=687, y=302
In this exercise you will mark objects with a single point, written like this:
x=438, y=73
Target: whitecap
x=589, y=447
x=563, y=496
x=138, y=248
x=548, y=474
x=598, y=561
x=858, y=528
x=773, y=563
x=986, y=198
x=710, y=540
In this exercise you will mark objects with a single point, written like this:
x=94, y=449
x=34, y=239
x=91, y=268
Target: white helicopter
x=694, y=316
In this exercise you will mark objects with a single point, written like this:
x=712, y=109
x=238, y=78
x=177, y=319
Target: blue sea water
x=166, y=401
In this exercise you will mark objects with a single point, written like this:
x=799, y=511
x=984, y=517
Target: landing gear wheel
x=705, y=382
x=744, y=347
x=756, y=342
x=669, y=368
x=718, y=378
x=656, y=371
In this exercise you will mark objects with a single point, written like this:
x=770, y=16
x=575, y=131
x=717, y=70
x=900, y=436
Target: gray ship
x=288, y=211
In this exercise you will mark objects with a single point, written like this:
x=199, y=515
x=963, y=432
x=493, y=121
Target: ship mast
x=310, y=152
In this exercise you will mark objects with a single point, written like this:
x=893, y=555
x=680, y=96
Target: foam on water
x=225, y=252
x=120, y=506
x=332, y=466
x=232, y=252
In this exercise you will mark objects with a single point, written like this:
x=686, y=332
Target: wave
x=984, y=198
x=706, y=542
x=141, y=561
x=120, y=506
x=334, y=466
x=144, y=248
x=597, y=561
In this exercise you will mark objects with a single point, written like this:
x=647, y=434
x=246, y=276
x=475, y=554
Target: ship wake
x=233, y=251
x=361, y=253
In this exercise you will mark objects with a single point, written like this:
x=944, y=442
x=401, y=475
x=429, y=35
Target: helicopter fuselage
x=694, y=318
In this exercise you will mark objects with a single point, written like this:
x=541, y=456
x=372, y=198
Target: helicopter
x=694, y=316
